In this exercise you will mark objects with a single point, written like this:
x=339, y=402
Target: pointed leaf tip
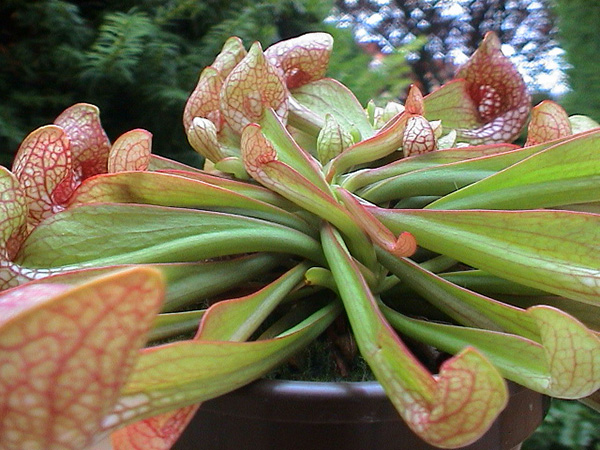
x=251, y=87
x=232, y=53
x=414, y=101
x=488, y=102
x=495, y=86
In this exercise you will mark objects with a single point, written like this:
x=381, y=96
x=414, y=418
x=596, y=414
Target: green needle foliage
x=137, y=61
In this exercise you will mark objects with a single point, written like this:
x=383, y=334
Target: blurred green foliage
x=569, y=425
x=139, y=60
x=578, y=22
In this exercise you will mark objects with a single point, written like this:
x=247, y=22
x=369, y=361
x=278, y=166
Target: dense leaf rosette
x=311, y=209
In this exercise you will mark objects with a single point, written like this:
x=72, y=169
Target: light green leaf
x=109, y=234
x=564, y=364
x=581, y=123
x=238, y=318
x=445, y=178
x=563, y=174
x=184, y=373
x=164, y=189
x=437, y=409
x=467, y=307
x=361, y=178
x=328, y=96
x=556, y=251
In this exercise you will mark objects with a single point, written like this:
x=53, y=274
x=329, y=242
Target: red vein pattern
x=498, y=91
x=43, y=166
x=156, y=433
x=252, y=86
x=302, y=59
x=204, y=100
x=418, y=137
x=89, y=144
x=548, y=121
x=65, y=354
x=131, y=151
x=13, y=210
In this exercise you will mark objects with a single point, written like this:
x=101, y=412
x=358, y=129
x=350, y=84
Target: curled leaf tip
x=251, y=87
x=43, y=165
x=131, y=151
x=572, y=353
x=256, y=150
x=302, y=59
x=204, y=100
x=89, y=144
x=548, y=121
x=406, y=245
x=470, y=393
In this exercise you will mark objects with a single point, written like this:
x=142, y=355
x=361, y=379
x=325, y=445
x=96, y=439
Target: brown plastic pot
x=292, y=415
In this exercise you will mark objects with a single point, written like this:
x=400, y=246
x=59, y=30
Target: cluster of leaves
x=309, y=208
x=136, y=60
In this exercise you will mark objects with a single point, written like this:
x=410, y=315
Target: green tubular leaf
x=164, y=189
x=184, y=373
x=482, y=282
x=262, y=164
x=108, y=234
x=563, y=174
x=361, y=178
x=249, y=190
x=289, y=152
x=381, y=144
x=448, y=177
x=158, y=163
x=189, y=282
x=238, y=318
x=175, y=324
x=186, y=282
x=437, y=409
x=467, y=307
x=328, y=96
x=564, y=364
x=556, y=251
